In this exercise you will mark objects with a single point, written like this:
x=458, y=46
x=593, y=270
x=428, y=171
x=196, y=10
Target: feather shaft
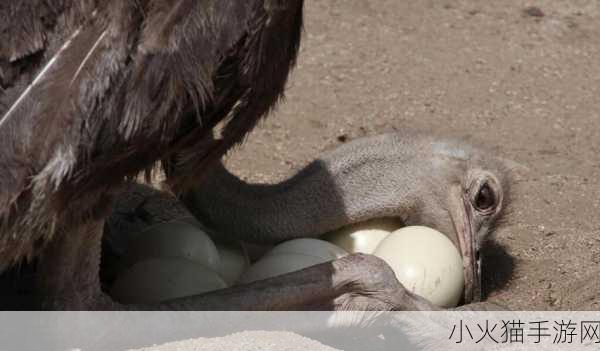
x=38, y=78
x=89, y=54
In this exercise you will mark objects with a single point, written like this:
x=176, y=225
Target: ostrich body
x=96, y=92
x=93, y=92
x=421, y=180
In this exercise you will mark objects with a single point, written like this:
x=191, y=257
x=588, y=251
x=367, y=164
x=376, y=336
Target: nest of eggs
x=178, y=259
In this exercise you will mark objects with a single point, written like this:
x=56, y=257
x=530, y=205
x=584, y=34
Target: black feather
x=94, y=92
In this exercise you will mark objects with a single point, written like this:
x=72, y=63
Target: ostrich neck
x=331, y=192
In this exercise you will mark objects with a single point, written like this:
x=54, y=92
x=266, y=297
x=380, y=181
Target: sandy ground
x=525, y=86
x=247, y=341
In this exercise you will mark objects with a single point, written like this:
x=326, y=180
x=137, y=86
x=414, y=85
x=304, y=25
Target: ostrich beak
x=468, y=245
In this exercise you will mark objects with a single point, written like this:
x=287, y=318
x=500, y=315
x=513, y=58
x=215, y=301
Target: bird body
x=94, y=92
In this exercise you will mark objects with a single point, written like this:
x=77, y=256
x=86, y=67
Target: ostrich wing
x=93, y=92
x=57, y=61
x=39, y=44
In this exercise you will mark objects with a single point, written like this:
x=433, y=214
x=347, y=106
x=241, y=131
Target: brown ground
x=523, y=85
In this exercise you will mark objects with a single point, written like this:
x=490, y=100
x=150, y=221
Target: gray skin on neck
x=393, y=175
x=443, y=184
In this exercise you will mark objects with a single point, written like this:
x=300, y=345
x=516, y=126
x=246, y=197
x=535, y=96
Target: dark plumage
x=93, y=92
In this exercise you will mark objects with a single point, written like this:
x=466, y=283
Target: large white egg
x=176, y=239
x=291, y=256
x=234, y=261
x=363, y=237
x=426, y=262
x=309, y=247
x=273, y=265
x=162, y=279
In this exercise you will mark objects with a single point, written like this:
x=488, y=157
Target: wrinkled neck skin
x=348, y=185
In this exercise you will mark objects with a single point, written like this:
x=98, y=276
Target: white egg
x=363, y=237
x=309, y=247
x=291, y=256
x=277, y=264
x=234, y=261
x=162, y=279
x=426, y=262
x=173, y=239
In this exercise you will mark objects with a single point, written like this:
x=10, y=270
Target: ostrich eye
x=485, y=200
